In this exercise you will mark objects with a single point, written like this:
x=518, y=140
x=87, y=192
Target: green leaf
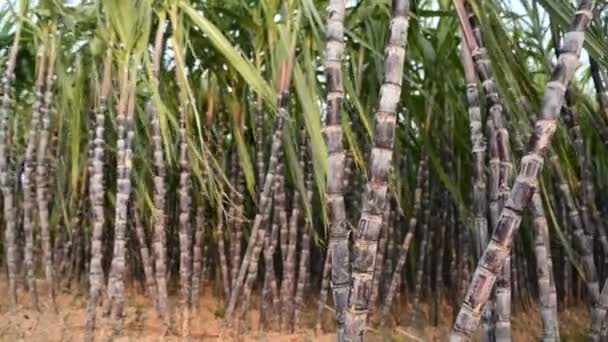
x=240, y=64
x=244, y=159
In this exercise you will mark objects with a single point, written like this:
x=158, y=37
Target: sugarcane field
x=304, y=170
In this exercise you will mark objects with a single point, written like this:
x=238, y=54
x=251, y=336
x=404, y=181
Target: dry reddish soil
x=141, y=323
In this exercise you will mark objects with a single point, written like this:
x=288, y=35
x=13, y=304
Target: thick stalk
x=42, y=161
x=159, y=216
x=28, y=180
x=385, y=270
x=124, y=156
x=338, y=238
x=185, y=183
x=382, y=250
x=185, y=207
x=499, y=247
x=97, y=193
x=503, y=149
x=5, y=174
x=368, y=230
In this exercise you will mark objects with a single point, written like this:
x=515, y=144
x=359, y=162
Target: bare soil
x=142, y=324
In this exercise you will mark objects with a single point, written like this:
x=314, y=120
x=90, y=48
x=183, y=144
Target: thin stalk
x=601, y=89
x=478, y=142
x=238, y=220
x=270, y=287
x=439, y=267
x=583, y=236
x=197, y=259
x=258, y=231
x=159, y=216
x=421, y=180
x=288, y=285
x=221, y=250
x=325, y=278
x=144, y=252
x=259, y=143
x=303, y=270
x=546, y=284
x=422, y=251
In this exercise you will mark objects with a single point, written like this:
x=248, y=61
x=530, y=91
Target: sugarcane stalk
x=270, y=287
x=126, y=135
x=146, y=259
x=259, y=144
x=368, y=229
x=439, y=267
x=185, y=204
x=582, y=234
x=380, y=255
x=258, y=231
x=500, y=245
x=27, y=178
x=421, y=180
x=197, y=254
x=422, y=251
x=503, y=152
x=237, y=223
x=289, y=283
x=97, y=194
x=546, y=284
x=303, y=270
x=42, y=172
x=221, y=250
x=325, y=279
x=338, y=239
x=5, y=170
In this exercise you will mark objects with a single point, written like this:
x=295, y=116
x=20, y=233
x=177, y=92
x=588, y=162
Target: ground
x=141, y=323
